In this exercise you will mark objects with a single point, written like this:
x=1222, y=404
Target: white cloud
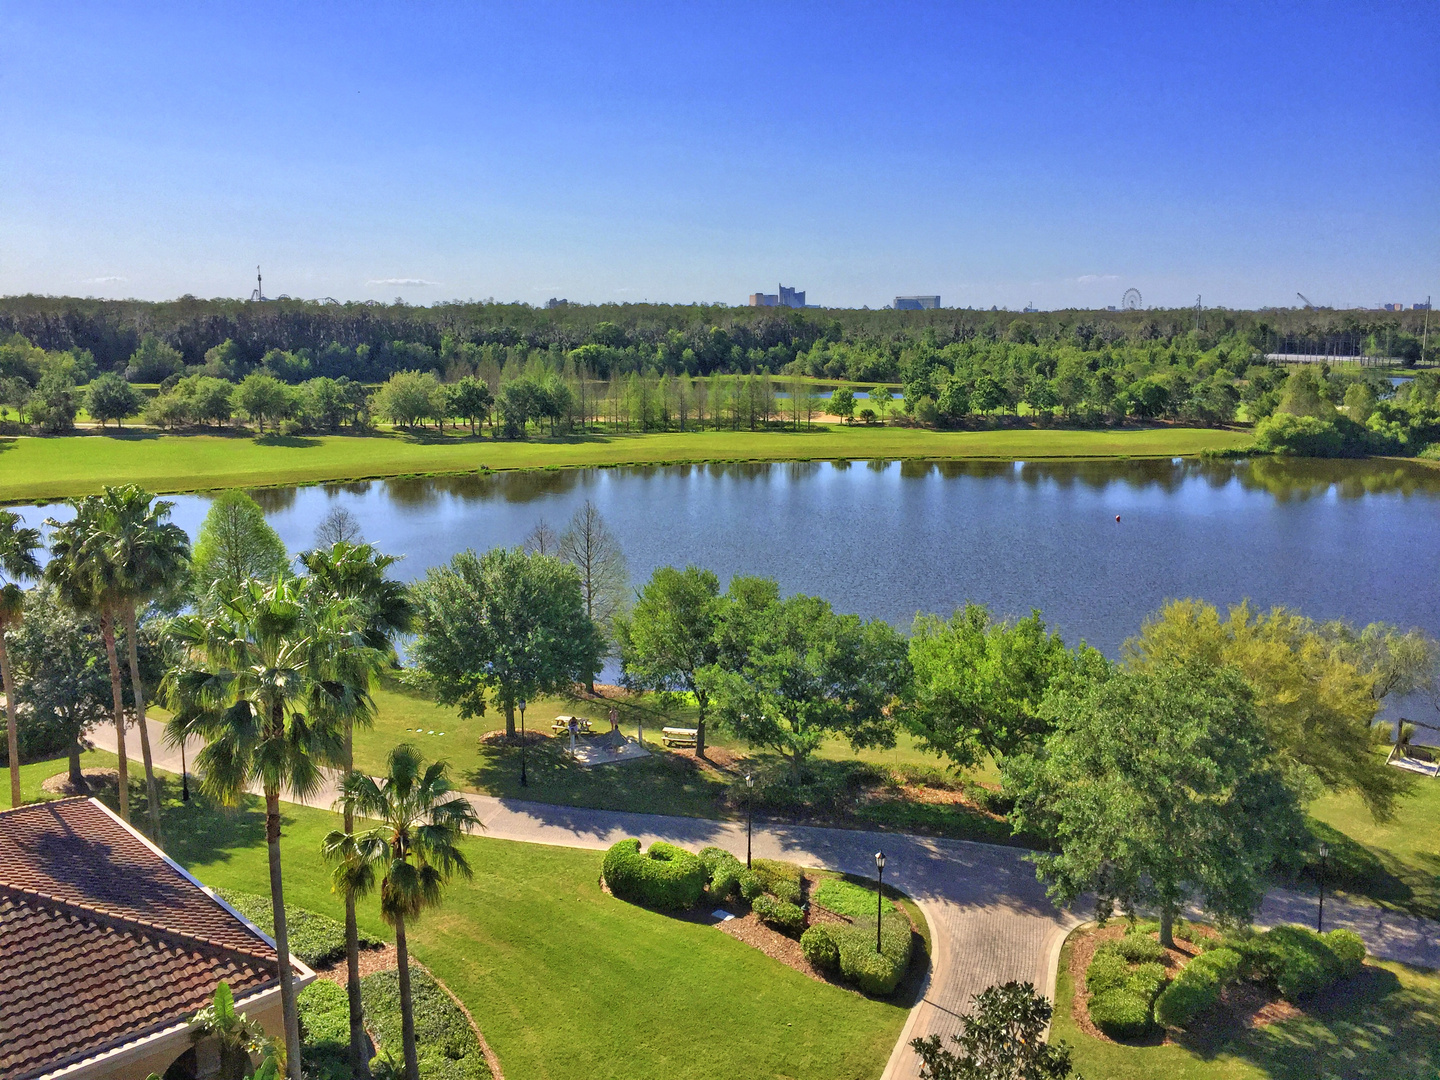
x=113, y=279
x=412, y=282
x=1093, y=279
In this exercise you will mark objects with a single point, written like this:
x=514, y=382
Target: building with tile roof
x=109, y=947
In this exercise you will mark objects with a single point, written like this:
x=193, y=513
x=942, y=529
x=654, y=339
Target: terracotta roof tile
x=102, y=941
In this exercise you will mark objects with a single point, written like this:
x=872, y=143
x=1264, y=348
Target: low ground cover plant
x=666, y=877
x=845, y=898
x=315, y=939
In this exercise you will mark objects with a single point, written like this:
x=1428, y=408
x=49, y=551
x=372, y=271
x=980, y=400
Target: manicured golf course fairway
x=33, y=468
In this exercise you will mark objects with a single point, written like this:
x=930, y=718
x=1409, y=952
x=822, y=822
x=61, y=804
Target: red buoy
x=1117, y=517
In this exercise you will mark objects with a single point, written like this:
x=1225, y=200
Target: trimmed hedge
x=1146, y=981
x=820, y=949
x=1197, y=988
x=750, y=885
x=324, y=1031
x=1349, y=952
x=315, y=939
x=665, y=877
x=780, y=879
x=1108, y=971
x=874, y=973
x=1299, y=961
x=723, y=871
x=780, y=914
x=1120, y=1014
x=1140, y=948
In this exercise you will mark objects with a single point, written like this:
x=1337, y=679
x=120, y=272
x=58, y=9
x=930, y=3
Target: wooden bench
x=679, y=736
x=562, y=724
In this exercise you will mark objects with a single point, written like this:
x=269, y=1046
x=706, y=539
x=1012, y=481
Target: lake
x=1347, y=539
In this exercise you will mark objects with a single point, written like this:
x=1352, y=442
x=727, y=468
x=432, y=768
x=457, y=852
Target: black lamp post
x=749, y=814
x=524, y=780
x=879, y=895
x=1320, y=914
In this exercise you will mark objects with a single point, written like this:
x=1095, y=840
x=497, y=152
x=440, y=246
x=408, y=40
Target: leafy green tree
x=1157, y=785
x=325, y=401
x=18, y=545
x=978, y=683
x=471, y=399
x=792, y=672
x=954, y=401
x=153, y=361
x=260, y=681
x=109, y=397
x=413, y=851
x=261, y=397
x=1315, y=704
x=842, y=402
x=52, y=406
x=1001, y=1038
x=207, y=400
x=409, y=397
x=355, y=574
x=1302, y=396
x=236, y=544
x=671, y=635
x=506, y=625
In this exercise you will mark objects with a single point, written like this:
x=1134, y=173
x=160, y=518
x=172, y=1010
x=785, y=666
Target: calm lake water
x=1356, y=540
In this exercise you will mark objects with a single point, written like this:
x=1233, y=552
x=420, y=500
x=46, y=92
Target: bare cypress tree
x=604, y=580
x=542, y=540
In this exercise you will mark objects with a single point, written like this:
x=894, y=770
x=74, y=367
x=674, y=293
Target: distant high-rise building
x=1392, y=307
x=786, y=297
x=917, y=303
x=1420, y=307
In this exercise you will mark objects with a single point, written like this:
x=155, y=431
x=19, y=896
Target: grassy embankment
x=50, y=468
x=1384, y=1023
x=565, y=981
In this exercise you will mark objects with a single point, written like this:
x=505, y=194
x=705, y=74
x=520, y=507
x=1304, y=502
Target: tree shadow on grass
x=1372, y=1027
x=1380, y=875
x=291, y=441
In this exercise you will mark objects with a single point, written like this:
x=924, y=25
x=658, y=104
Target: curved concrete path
x=989, y=919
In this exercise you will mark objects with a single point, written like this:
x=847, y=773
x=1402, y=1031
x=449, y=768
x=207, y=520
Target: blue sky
x=995, y=154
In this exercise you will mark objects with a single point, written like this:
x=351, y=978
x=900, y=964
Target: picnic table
x=562, y=723
x=679, y=736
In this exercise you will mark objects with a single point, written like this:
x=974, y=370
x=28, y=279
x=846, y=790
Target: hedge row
x=853, y=948
x=665, y=877
x=1197, y=988
x=726, y=875
x=314, y=939
x=781, y=914
x=1121, y=995
x=780, y=879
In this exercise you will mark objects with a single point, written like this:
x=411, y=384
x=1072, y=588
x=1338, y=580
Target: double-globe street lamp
x=524, y=780
x=879, y=895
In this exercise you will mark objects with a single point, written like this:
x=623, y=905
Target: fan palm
x=17, y=563
x=77, y=576
x=413, y=851
x=263, y=680
x=356, y=573
x=139, y=555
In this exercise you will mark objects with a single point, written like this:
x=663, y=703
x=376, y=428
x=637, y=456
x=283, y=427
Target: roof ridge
x=132, y=922
x=43, y=804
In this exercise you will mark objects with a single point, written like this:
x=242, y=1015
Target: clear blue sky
x=995, y=154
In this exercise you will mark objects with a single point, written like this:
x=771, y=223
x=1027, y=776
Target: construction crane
x=1305, y=300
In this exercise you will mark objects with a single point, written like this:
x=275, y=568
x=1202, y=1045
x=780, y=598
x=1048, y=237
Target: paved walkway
x=990, y=921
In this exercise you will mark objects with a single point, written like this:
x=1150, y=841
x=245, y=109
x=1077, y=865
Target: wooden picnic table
x=679, y=736
x=562, y=723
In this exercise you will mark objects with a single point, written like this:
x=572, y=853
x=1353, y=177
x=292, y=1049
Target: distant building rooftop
x=917, y=303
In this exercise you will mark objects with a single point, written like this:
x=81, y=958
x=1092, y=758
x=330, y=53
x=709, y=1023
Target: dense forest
x=299, y=366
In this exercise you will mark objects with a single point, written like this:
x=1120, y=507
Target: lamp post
x=524, y=780
x=749, y=814
x=184, y=776
x=879, y=895
x=1320, y=914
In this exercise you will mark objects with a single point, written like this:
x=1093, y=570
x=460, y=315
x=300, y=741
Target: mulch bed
x=96, y=781
x=381, y=958
x=1243, y=1004
x=499, y=738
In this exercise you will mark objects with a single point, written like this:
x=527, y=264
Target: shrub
x=780, y=914
x=723, y=871
x=1108, y=971
x=325, y=1031
x=820, y=949
x=723, y=883
x=1349, y=952
x=750, y=886
x=315, y=939
x=446, y=1043
x=1146, y=981
x=665, y=877
x=713, y=858
x=780, y=879
x=1140, y=948
x=1197, y=988
x=1298, y=961
x=1120, y=1014
x=874, y=973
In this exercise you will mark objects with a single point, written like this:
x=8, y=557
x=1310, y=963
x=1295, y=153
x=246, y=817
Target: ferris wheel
x=1131, y=300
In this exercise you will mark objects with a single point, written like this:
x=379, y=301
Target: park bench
x=679, y=736
x=562, y=724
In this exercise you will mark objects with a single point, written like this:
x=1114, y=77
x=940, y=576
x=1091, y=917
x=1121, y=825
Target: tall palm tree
x=139, y=555
x=355, y=573
x=258, y=682
x=413, y=851
x=17, y=564
x=76, y=575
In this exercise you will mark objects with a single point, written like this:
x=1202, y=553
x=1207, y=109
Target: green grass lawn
x=565, y=981
x=34, y=468
x=1384, y=1025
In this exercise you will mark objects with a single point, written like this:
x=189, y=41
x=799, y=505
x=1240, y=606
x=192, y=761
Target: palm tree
x=413, y=851
x=75, y=573
x=17, y=563
x=258, y=682
x=139, y=555
x=355, y=573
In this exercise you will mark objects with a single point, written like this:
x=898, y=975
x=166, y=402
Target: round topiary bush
x=1349, y=952
x=1107, y=971
x=665, y=877
x=1197, y=988
x=1140, y=948
x=781, y=914
x=820, y=949
x=1120, y=1014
